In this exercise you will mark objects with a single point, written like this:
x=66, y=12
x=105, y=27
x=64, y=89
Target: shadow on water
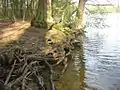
x=74, y=76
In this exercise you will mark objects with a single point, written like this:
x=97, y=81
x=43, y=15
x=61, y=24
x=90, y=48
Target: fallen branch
x=19, y=78
x=10, y=73
x=52, y=86
x=40, y=82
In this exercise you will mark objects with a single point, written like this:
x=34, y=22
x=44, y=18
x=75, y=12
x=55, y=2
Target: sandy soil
x=21, y=31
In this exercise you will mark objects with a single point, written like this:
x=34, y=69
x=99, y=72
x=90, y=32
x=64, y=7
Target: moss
x=58, y=27
x=61, y=27
x=54, y=36
x=67, y=31
x=57, y=34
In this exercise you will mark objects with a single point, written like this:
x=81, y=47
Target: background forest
x=41, y=12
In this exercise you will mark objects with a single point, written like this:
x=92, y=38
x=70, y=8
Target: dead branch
x=10, y=73
x=52, y=86
x=40, y=81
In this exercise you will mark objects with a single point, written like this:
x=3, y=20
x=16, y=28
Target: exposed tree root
x=26, y=67
x=10, y=73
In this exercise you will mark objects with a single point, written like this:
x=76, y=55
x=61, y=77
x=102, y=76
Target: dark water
x=96, y=65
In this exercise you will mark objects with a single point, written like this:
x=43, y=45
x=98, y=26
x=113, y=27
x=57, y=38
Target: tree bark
x=43, y=16
x=13, y=10
x=49, y=11
x=80, y=12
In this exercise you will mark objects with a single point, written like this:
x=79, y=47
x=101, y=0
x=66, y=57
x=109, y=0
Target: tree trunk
x=80, y=12
x=49, y=12
x=43, y=16
x=13, y=10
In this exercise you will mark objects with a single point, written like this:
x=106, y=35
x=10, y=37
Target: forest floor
x=21, y=46
x=20, y=31
x=22, y=36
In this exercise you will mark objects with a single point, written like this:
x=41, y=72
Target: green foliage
x=67, y=31
x=41, y=23
x=57, y=34
x=68, y=14
x=58, y=27
x=18, y=9
x=64, y=29
x=64, y=10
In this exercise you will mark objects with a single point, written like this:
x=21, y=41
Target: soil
x=22, y=35
x=22, y=46
x=20, y=31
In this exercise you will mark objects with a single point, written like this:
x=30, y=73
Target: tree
x=43, y=15
x=80, y=12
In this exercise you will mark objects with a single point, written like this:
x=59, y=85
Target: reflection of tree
x=82, y=69
x=73, y=78
x=94, y=44
x=96, y=21
x=80, y=66
x=99, y=43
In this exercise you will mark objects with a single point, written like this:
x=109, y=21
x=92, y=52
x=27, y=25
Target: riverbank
x=32, y=56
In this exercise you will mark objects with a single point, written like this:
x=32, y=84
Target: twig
x=24, y=66
x=52, y=86
x=19, y=78
x=40, y=81
x=24, y=81
x=10, y=73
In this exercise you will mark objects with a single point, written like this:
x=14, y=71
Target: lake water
x=96, y=64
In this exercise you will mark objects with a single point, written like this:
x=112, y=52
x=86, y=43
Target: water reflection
x=96, y=65
x=74, y=76
x=96, y=21
x=103, y=62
